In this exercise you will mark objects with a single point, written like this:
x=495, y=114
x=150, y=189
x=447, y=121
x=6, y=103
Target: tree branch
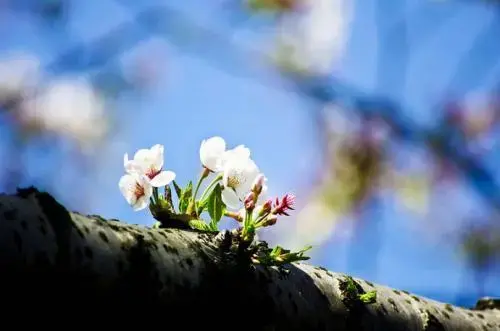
x=55, y=260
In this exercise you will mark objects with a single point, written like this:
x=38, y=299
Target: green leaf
x=301, y=258
x=351, y=287
x=199, y=225
x=302, y=251
x=215, y=205
x=276, y=251
x=185, y=197
x=178, y=190
x=201, y=205
x=369, y=297
x=164, y=206
x=167, y=193
x=213, y=227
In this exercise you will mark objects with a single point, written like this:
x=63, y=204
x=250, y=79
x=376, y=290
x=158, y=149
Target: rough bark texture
x=86, y=269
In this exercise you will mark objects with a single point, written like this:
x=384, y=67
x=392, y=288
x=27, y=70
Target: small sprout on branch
x=237, y=190
x=354, y=294
x=368, y=297
x=279, y=256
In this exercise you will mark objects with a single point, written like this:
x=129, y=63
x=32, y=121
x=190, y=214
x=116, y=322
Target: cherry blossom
x=149, y=162
x=237, y=180
x=136, y=189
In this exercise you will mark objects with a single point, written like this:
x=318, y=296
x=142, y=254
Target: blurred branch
x=193, y=38
x=99, y=52
x=391, y=75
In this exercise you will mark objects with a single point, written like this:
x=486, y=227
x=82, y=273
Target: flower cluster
x=144, y=173
x=237, y=190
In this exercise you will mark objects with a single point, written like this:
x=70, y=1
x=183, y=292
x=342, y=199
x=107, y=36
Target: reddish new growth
x=138, y=190
x=282, y=206
x=152, y=172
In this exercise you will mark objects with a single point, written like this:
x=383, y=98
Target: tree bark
x=88, y=269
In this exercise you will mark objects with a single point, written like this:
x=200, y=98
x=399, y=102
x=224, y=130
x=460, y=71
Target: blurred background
x=382, y=117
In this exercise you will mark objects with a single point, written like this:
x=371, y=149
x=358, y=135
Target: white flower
x=237, y=180
x=136, y=189
x=213, y=153
x=149, y=162
x=239, y=171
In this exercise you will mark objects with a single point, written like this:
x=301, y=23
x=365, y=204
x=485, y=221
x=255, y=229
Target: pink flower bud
x=250, y=201
x=270, y=220
x=267, y=206
x=258, y=184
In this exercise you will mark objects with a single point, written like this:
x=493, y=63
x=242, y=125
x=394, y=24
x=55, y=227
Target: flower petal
x=239, y=175
x=151, y=158
x=230, y=198
x=146, y=184
x=141, y=203
x=126, y=184
x=142, y=159
x=131, y=166
x=240, y=152
x=211, y=152
x=163, y=178
x=263, y=196
x=242, y=191
x=125, y=160
x=249, y=173
x=157, y=152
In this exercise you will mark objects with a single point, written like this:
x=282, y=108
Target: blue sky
x=197, y=99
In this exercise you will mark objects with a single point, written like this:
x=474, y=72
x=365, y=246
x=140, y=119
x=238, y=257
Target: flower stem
x=203, y=175
x=258, y=222
x=234, y=215
x=248, y=217
x=155, y=195
x=246, y=225
x=210, y=186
